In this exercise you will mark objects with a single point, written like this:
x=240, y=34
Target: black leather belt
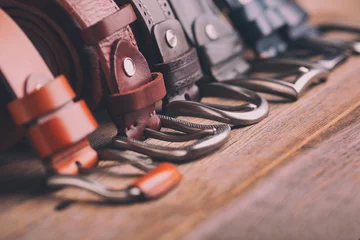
x=259, y=28
x=161, y=39
x=220, y=49
x=296, y=26
x=259, y=21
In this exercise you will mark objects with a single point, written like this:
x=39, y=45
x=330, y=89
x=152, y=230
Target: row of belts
x=220, y=49
x=58, y=127
x=95, y=43
x=280, y=28
x=101, y=31
x=161, y=38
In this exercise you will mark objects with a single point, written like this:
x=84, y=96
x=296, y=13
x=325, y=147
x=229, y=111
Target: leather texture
x=257, y=25
x=56, y=42
x=38, y=103
x=111, y=50
x=108, y=26
x=178, y=62
x=100, y=62
x=218, y=44
x=57, y=126
x=158, y=181
x=294, y=19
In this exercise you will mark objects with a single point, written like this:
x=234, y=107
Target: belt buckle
x=331, y=53
x=307, y=75
x=207, y=138
x=157, y=180
x=352, y=45
x=250, y=113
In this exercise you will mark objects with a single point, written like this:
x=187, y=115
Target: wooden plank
x=27, y=209
x=208, y=185
x=315, y=196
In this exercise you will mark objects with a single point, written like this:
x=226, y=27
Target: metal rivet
x=304, y=69
x=211, y=32
x=356, y=47
x=171, y=38
x=134, y=191
x=282, y=47
x=129, y=67
x=269, y=53
x=38, y=86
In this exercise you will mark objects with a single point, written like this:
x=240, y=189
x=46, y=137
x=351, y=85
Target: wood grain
x=208, y=185
x=315, y=196
x=27, y=209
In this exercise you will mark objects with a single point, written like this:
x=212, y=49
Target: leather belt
x=43, y=105
x=162, y=40
x=259, y=21
x=130, y=90
x=260, y=30
x=296, y=26
x=206, y=28
x=58, y=127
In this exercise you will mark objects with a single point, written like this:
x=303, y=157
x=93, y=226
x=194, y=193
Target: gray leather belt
x=283, y=27
x=220, y=49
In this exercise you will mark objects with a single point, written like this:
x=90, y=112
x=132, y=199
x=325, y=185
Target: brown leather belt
x=107, y=79
x=58, y=127
x=116, y=49
x=123, y=78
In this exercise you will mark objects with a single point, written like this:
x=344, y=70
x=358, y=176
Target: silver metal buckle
x=128, y=195
x=330, y=55
x=353, y=46
x=208, y=139
x=253, y=112
x=308, y=74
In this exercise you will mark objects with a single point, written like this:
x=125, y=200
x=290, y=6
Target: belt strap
x=162, y=40
x=57, y=126
x=57, y=47
x=295, y=19
x=124, y=66
x=258, y=26
x=105, y=28
x=218, y=43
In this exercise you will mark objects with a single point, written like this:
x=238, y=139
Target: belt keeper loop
x=107, y=26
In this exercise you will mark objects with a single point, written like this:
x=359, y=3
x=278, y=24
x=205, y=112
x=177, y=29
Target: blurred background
x=334, y=9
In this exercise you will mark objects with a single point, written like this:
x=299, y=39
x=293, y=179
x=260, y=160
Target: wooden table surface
x=295, y=175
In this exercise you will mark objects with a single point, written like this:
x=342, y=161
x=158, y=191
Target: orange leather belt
x=56, y=125
x=123, y=72
x=120, y=76
x=97, y=34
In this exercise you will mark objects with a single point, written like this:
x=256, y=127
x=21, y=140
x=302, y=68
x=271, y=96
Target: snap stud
x=211, y=32
x=171, y=38
x=129, y=67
